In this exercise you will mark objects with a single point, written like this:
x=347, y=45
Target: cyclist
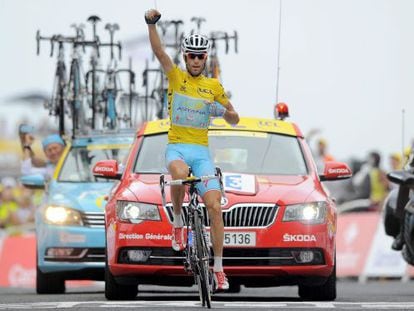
x=53, y=146
x=190, y=95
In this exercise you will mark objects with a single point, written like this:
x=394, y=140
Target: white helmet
x=195, y=44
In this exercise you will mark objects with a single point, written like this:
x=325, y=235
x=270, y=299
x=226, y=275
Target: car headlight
x=137, y=212
x=60, y=215
x=312, y=213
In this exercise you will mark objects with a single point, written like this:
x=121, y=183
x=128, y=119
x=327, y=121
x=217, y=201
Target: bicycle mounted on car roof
x=72, y=91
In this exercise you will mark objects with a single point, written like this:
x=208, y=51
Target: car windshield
x=80, y=161
x=234, y=151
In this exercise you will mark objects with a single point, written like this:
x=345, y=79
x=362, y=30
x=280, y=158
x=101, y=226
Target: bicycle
x=56, y=106
x=110, y=93
x=95, y=67
x=75, y=88
x=197, y=252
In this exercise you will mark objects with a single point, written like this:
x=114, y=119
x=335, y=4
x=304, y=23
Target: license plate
x=236, y=238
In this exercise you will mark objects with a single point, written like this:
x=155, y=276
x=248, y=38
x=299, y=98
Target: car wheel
x=48, y=283
x=115, y=291
x=325, y=292
x=391, y=223
x=234, y=288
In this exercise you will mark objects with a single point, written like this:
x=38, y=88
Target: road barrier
x=364, y=250
x=18, y=262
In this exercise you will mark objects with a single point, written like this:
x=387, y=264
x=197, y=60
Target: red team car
x=280, y=221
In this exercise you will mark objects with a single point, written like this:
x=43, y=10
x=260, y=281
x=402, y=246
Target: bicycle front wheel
x=202, y=261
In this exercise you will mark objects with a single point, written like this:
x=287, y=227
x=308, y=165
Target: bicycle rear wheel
x=203, y=259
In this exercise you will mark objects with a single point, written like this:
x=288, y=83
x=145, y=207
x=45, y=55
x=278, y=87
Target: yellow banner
x=245, y=124
x=108, y=146
x=237, y=133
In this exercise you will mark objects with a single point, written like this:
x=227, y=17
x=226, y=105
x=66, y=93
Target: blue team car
x=70, y=228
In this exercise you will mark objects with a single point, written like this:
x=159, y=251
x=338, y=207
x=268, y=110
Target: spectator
x=53, y=146
x=320, y=155
x=378, y=180
x=26, y=212
x=395, y=161
x=371, y=181
x=8, y=204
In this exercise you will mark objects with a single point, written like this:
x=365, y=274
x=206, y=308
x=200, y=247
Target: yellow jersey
x=189, y=106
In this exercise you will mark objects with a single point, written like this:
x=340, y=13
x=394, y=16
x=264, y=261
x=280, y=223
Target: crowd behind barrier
x=17, y=206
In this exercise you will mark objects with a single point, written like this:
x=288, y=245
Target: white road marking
x=217, y=304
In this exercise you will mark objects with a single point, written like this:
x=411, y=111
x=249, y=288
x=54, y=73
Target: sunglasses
x=199, y=56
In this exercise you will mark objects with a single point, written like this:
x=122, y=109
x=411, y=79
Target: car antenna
x=278, y=51
x=402, y=132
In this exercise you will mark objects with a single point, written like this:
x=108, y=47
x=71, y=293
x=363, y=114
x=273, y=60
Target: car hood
x=86, y=197
x=266, y=189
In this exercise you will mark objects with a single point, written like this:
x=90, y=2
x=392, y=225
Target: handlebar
x=131, y=74
x=112, y=28
x=181, y=182
x=60, y=39
x=190, y=180
x=220, y=35
x=198, y=21
x=80, y=33
x=93, y=19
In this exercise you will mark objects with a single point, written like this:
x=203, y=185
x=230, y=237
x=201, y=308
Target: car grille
x=231, y=257
x=93, y=220
x=239, y=215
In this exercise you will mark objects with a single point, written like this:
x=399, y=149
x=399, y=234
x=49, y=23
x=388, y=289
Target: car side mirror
x=36, y=181
x=335, y=171
x=107, y=169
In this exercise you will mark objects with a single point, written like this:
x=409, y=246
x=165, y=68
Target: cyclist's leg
x=178, y=169
x=211, y=194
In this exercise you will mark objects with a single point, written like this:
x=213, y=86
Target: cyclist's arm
x=156, y=44
x=231, y=116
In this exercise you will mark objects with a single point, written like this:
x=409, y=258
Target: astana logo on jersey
x=190, y=111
